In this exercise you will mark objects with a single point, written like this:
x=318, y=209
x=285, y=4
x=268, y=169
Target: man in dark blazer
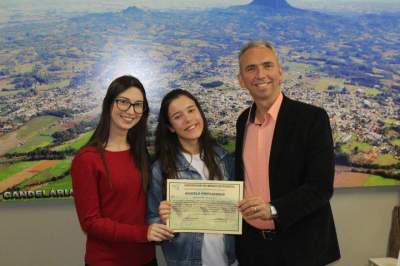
x=284, y=153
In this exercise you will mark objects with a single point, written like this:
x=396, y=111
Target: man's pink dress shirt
x=256, y=152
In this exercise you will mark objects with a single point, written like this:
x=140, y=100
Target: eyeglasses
x=124, y=105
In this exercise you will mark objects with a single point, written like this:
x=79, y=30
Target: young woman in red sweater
x=110, y=175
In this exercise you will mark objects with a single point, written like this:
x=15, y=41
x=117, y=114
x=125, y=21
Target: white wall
x=47, y=233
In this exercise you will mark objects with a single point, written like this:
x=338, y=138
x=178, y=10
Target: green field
x=65, y=183
x=59, y=84
x=23, y=68
x=9, y=93
x=392, y=121
x=7, y=171
x=352, y=144
x=371, y=92
x=323, y=83
x=298, y=67
x=386, y=159
x=40, y=123
x=48, y=173
x=229, y=146
x=76, y=143
x=374, y=180
x=35, y=134
x=348, y=148
x=396, y=142
x=33, y=143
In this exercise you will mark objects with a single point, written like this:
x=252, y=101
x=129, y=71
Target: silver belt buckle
x=267, y=234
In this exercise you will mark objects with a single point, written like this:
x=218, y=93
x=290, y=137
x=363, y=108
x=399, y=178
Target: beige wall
x=47, y=233
x=363, y=217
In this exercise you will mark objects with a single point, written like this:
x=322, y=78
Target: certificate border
x=238, y=231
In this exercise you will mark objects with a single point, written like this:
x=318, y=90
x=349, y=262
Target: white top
x=213, y=249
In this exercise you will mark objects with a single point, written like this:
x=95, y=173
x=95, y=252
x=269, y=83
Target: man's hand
x=255, y=208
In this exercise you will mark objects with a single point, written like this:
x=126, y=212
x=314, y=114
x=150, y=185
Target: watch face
x=273, y=211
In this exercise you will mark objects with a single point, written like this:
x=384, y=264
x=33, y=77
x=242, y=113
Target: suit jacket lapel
x=240, y=138
x=283, y=128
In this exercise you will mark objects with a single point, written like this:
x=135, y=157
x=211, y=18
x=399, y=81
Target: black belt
x=266, y=234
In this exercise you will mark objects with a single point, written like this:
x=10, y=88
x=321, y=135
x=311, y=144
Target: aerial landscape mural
x=57, y=61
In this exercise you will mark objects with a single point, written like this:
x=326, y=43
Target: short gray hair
x=258, y=43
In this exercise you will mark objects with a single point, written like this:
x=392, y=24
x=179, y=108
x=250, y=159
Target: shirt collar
x=272, y=111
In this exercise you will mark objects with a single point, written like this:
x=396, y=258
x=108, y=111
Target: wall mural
x=57, y=59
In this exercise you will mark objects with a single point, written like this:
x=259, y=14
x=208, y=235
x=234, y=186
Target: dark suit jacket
x=301, y=172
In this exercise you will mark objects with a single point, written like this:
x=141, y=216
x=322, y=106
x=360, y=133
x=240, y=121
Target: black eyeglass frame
x=134, y=105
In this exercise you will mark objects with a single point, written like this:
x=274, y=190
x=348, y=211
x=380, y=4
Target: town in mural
x=55, y=67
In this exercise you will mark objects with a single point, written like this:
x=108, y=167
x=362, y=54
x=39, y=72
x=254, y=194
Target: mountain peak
x=276, y=4
x=132, y=10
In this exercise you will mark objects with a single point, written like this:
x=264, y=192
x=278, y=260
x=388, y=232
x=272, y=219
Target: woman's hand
x=159, y=232
x=164, y=210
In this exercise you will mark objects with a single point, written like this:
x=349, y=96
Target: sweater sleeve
x=86, y=196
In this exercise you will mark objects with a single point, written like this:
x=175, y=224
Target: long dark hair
x=167, y=145
x=136, y=135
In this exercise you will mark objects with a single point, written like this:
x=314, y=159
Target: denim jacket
x=185, y=248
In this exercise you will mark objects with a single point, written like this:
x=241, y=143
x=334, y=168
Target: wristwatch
x=274, y=212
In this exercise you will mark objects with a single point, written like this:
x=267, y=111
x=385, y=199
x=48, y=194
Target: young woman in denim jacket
x=185, y=150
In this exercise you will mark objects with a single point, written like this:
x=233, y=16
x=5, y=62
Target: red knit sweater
x=111, y=210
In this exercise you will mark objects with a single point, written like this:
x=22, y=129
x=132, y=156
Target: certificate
x=205, y=206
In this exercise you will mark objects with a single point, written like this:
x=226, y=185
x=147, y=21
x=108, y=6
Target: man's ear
x=281, y=74
x=240, y=79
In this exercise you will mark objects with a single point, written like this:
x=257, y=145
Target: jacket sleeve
x=229, y=162
x=86, y=197
x=316, y=187
x=240, y=129
x=154, y=195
